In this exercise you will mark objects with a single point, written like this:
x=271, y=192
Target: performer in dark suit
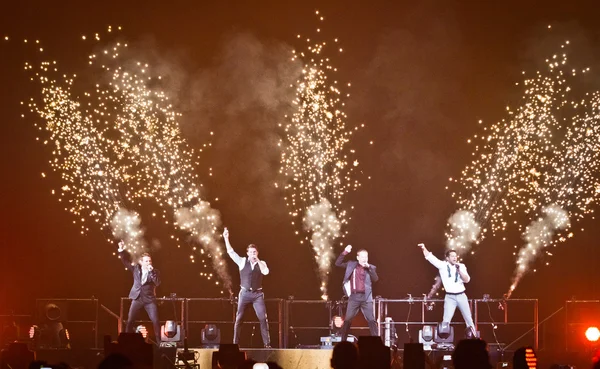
x=357, y=285
x=143, y=291
x=252, y=270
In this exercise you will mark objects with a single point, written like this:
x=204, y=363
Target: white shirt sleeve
x=435, y=261
x=266, y=271
x=463, y=268
x=240, y=261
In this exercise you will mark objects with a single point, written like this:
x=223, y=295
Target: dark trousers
x=356, y=302
x=257, y=299
x=151, y=309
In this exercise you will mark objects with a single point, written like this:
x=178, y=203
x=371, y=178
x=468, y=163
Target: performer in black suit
x=357, y=285
x=143, y=291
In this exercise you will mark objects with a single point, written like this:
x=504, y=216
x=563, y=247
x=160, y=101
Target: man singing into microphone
x=357, y=285
x=251, y=272
x=454, y=276
x=143, y=291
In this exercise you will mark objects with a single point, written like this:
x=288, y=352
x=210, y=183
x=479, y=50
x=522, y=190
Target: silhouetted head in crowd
x=344, y=356
x=471, y=354
x=116, y=361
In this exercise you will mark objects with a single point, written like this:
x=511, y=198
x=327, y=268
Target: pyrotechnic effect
x=464, y=230
x=201, y=221
x=515, y=156
x=118, y=144
x=316, y=158
x=127, y=226
x=323, y=225
x=538, y=235
x=540, y=164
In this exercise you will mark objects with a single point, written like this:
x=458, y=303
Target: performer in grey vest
x=454, y=275
x=252, y=270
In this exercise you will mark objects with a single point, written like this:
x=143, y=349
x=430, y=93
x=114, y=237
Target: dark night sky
x=422, y=73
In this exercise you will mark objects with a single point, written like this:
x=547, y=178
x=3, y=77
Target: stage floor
x=286, y=358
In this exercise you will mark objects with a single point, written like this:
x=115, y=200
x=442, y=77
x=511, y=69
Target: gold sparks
x=316, y=158
x=540, y=163
x=117, y=143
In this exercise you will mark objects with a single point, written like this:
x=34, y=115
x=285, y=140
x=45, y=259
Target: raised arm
x=430, y=257
x=124, y=256
x=340, y=259
x=230, y=251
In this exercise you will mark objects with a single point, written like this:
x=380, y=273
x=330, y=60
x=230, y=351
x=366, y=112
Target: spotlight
x=170, y=332
x=531, y=358
x=426, y=337
x=337, y=322
x=52, y=333
x=34, y=332
x=211, y=336
x=142, y=330
x=525, y=357
x=53, y=312
x=592, y=334
x=444, y=335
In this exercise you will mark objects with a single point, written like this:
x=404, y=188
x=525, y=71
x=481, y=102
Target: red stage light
x=530, y=358
x=592, y=334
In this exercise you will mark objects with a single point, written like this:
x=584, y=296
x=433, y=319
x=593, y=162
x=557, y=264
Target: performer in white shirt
x=252, y=270
x=454, y=275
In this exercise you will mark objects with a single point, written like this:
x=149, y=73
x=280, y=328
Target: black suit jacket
x=146, y=291
x=370, y=277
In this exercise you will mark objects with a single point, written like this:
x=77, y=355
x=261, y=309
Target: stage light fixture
x=52, y=312
x=444, y=334
x=426, y=337
x=170, y=332
x=337, y=322
x=142, y=330
x=211, y=336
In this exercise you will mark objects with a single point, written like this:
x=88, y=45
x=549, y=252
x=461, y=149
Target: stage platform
x=286, y=358
x=165, y=358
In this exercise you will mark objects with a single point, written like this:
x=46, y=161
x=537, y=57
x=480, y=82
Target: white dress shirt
x=452, y=282
x=241, y=261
